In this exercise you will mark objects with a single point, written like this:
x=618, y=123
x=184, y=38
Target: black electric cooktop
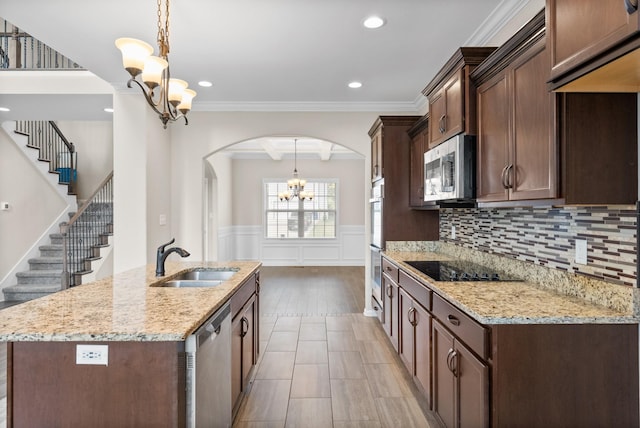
x=459, y=271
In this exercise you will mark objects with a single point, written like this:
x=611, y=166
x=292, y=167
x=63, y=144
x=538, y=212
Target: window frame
x=300, y=212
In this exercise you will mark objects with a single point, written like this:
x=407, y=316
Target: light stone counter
x=511, y=302
x=125, y=307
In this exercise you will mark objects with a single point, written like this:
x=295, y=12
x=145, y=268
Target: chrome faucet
x=161, y=255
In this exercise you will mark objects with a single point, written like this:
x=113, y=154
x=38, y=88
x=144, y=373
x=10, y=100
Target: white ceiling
x=271, y=53
x=262, y=55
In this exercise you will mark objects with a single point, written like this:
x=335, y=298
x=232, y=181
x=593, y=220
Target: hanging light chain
x=163, y=33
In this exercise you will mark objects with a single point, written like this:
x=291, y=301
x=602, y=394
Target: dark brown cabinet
x=419, y=134
x=376, y=155
x=399, y=222
x=460, y=382
x=539, y=145
x=390, y=296
x=517, y=148
x=244, y=338
x=415, y=341
x=451, y=94
x=587, y=34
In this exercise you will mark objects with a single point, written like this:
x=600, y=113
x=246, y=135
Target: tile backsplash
x=546, y=236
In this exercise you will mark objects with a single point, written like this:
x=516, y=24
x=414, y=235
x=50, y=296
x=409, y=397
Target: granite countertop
x=511, y=302
x=124, y=307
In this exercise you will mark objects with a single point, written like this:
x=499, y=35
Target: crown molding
x=500, y=16
x=304, y=106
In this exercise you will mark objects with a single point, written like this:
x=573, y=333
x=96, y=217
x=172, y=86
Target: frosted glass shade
x=176, y=90
x=152, y=72
x=134, y=53
x=185, y=103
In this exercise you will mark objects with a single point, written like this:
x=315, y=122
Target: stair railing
x=19, y=50
x=54, y=148
x=86, y=232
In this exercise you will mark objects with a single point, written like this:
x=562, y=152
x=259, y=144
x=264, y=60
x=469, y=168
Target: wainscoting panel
x=348, y=249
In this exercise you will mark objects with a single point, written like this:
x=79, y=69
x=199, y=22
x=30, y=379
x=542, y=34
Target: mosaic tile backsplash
x=546, y=236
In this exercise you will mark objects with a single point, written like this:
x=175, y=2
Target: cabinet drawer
x=243, y=294
x=417, y=290
x=461, y=325
x=390, y=269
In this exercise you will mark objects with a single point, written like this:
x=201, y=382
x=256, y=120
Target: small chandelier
x=296, y=185
x=168, y=97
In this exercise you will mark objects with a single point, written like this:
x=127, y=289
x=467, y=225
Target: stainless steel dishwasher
x=209, y=373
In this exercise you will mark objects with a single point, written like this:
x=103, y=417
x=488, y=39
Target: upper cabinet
x=419, y=134
x=533, y=144
x=593, y=45
x=451, y=96
x=517, y=149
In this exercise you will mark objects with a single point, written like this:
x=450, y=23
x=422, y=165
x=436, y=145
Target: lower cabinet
x=244, y=343
x=390, y=323
x=460, y=382
x=414, y=343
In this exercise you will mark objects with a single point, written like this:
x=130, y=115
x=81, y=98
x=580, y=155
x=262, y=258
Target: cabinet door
x=236, y=360
x=454, y=101
x=247, y=322
x=444, y=398
x=534, y=172
x=416, y=179
x=422, y=354
x=390, y=325
x=376, y=155
x=472, y=383
x=437, y=114
x=581, y=29
x=493, y=140
x=406, y=326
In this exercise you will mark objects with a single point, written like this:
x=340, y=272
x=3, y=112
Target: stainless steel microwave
x=450, y=170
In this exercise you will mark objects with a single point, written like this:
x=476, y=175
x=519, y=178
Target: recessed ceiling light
x=205, y=84
x=108, y=109
x=355, y=85
x=4, y=109
x=373, y=22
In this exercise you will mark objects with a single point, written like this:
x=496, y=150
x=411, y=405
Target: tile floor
x=329, y=371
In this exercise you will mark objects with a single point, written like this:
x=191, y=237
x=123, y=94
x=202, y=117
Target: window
x=308, y=219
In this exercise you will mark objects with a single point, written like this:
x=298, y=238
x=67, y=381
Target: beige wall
x=93, y=141
x=34, y=204
x=248, y=178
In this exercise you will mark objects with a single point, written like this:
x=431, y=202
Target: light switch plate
x=581, y=251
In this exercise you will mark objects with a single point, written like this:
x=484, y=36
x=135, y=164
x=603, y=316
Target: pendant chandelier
x=168, y=97
x=296, y=185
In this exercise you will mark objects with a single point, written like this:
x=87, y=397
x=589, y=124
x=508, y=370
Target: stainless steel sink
x=199, y=278
x=207, y=275
x=185, y=283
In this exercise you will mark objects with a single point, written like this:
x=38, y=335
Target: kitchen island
x=513, y=353
x=145, y=327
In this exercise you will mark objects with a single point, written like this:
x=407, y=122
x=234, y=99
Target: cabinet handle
x=442, y=123
x=449, y=358
x=631, y=5
x=503, y=177
x=508, y=177
x=412, y=320
x=454, y=363
x=453, y=320
x=388, y=268
x=389, y=292
x=244, y=322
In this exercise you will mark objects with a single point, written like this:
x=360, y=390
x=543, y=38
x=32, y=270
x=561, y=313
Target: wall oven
x=377, y=243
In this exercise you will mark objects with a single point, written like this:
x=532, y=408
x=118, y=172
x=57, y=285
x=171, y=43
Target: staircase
x=70, y=253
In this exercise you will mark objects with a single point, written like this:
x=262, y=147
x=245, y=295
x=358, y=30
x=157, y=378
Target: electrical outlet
x=453, y=232
x=92, y=354
x=581, y=251
x=4, y=206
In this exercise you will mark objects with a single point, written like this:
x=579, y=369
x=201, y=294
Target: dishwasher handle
x=211, y=328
